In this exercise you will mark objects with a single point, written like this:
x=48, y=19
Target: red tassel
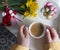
x=15, y=12
x=6, y=19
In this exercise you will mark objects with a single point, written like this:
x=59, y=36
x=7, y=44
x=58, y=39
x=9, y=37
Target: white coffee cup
x=42, y=34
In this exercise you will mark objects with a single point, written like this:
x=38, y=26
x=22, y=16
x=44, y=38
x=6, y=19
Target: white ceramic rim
x=40, y=35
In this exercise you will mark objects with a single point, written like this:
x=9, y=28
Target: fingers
x=21, y=30
x=53, y=32
x=26, y=33
x=48, y=36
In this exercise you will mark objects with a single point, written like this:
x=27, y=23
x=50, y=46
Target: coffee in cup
x=37, y=30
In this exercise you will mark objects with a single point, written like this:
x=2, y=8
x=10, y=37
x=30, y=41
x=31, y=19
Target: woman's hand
x=23, y=36
x=51, y=35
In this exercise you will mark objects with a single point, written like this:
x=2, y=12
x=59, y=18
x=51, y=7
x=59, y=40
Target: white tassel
x=3, y=14
x=10, y=11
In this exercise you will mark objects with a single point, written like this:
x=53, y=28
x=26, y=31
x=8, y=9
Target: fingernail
x=26, y=28
x=47, y=30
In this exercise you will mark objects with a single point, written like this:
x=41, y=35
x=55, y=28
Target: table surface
x=37, y=44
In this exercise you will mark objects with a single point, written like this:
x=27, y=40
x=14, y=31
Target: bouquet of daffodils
x=32, y=7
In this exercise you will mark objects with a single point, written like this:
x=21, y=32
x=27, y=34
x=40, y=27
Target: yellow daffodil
x=33, y=6
x=28, y=4
x=26, y=14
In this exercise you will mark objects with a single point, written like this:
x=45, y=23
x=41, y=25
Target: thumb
x=48, y=36
x=26, y=32
x=21, y=31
